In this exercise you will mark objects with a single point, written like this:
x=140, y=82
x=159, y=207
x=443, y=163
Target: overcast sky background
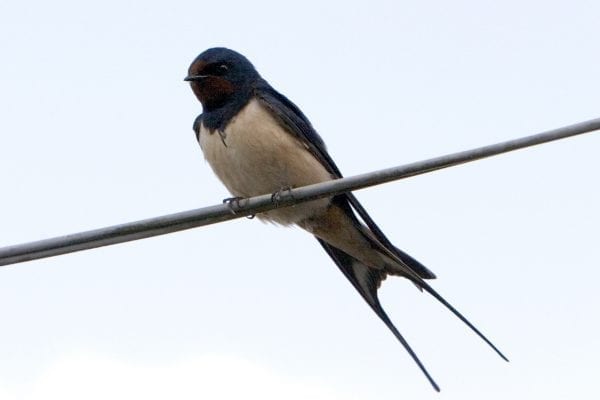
x=95, y=130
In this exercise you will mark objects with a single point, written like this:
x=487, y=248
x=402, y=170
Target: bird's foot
x=234, y=204
x=279, y=195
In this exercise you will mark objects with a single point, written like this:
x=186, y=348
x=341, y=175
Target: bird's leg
x=279, y=195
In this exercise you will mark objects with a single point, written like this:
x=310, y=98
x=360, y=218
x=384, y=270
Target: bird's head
x=220, y=75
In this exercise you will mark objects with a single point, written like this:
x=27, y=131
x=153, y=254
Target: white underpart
x=256, y=156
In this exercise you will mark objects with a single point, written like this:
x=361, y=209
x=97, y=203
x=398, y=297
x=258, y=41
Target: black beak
x=193, y=78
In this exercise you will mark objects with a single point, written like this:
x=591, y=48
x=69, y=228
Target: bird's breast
x=255, y=155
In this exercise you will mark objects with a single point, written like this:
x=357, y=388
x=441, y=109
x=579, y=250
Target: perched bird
x=258, y=142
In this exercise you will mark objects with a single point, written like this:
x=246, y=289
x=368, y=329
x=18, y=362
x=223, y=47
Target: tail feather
x=454, y=311
x=366, y=263
x=366, y=281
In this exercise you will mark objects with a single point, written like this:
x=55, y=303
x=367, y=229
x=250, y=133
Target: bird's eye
x=221, y=69
x=216, y=69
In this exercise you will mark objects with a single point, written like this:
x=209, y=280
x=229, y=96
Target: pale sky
x=95, y=130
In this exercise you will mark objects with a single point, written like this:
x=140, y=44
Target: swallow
x=258, y=142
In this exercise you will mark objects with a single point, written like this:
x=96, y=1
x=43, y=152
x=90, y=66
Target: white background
x=95, y=130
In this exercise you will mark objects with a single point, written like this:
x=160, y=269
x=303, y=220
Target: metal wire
x=223, y=212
